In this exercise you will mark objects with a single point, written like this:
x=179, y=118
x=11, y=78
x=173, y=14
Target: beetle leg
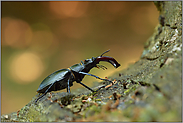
x=95, y=76
x=68, y=87
x=44, y=93
x=40, y=97
x=100, y=88
x=85, y=86
x=90, y=88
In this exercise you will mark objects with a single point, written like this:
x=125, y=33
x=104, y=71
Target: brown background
x=39, y=38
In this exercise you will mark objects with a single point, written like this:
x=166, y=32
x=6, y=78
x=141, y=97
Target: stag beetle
x=64, y=78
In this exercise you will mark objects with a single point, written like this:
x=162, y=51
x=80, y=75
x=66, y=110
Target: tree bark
x=148, y=90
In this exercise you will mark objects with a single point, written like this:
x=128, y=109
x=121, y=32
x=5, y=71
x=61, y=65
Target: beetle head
x=90, y=63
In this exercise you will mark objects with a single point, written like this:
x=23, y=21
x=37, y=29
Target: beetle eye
x=93, y=58
x=85, y=61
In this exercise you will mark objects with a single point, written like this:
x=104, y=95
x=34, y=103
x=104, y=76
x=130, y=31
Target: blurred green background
x=39, y=38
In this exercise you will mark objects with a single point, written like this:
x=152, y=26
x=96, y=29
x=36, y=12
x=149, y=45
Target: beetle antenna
x=105, y=52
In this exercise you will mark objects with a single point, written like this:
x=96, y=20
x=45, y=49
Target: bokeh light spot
x=15, y=33
x=26, y=67
x=68, y=9
x=114, y=8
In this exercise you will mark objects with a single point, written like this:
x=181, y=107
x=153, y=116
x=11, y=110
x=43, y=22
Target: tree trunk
x=148, y=90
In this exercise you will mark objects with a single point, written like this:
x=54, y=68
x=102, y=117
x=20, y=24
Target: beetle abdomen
x=56, y=86
x=59, y=78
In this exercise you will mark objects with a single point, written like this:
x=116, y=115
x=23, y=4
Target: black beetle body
x=64, y=78
x=58, y=78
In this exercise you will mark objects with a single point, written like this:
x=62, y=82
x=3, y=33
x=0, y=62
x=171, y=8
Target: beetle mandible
x=64, y=78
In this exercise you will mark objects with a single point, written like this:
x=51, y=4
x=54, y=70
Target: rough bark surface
x=149, y=90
